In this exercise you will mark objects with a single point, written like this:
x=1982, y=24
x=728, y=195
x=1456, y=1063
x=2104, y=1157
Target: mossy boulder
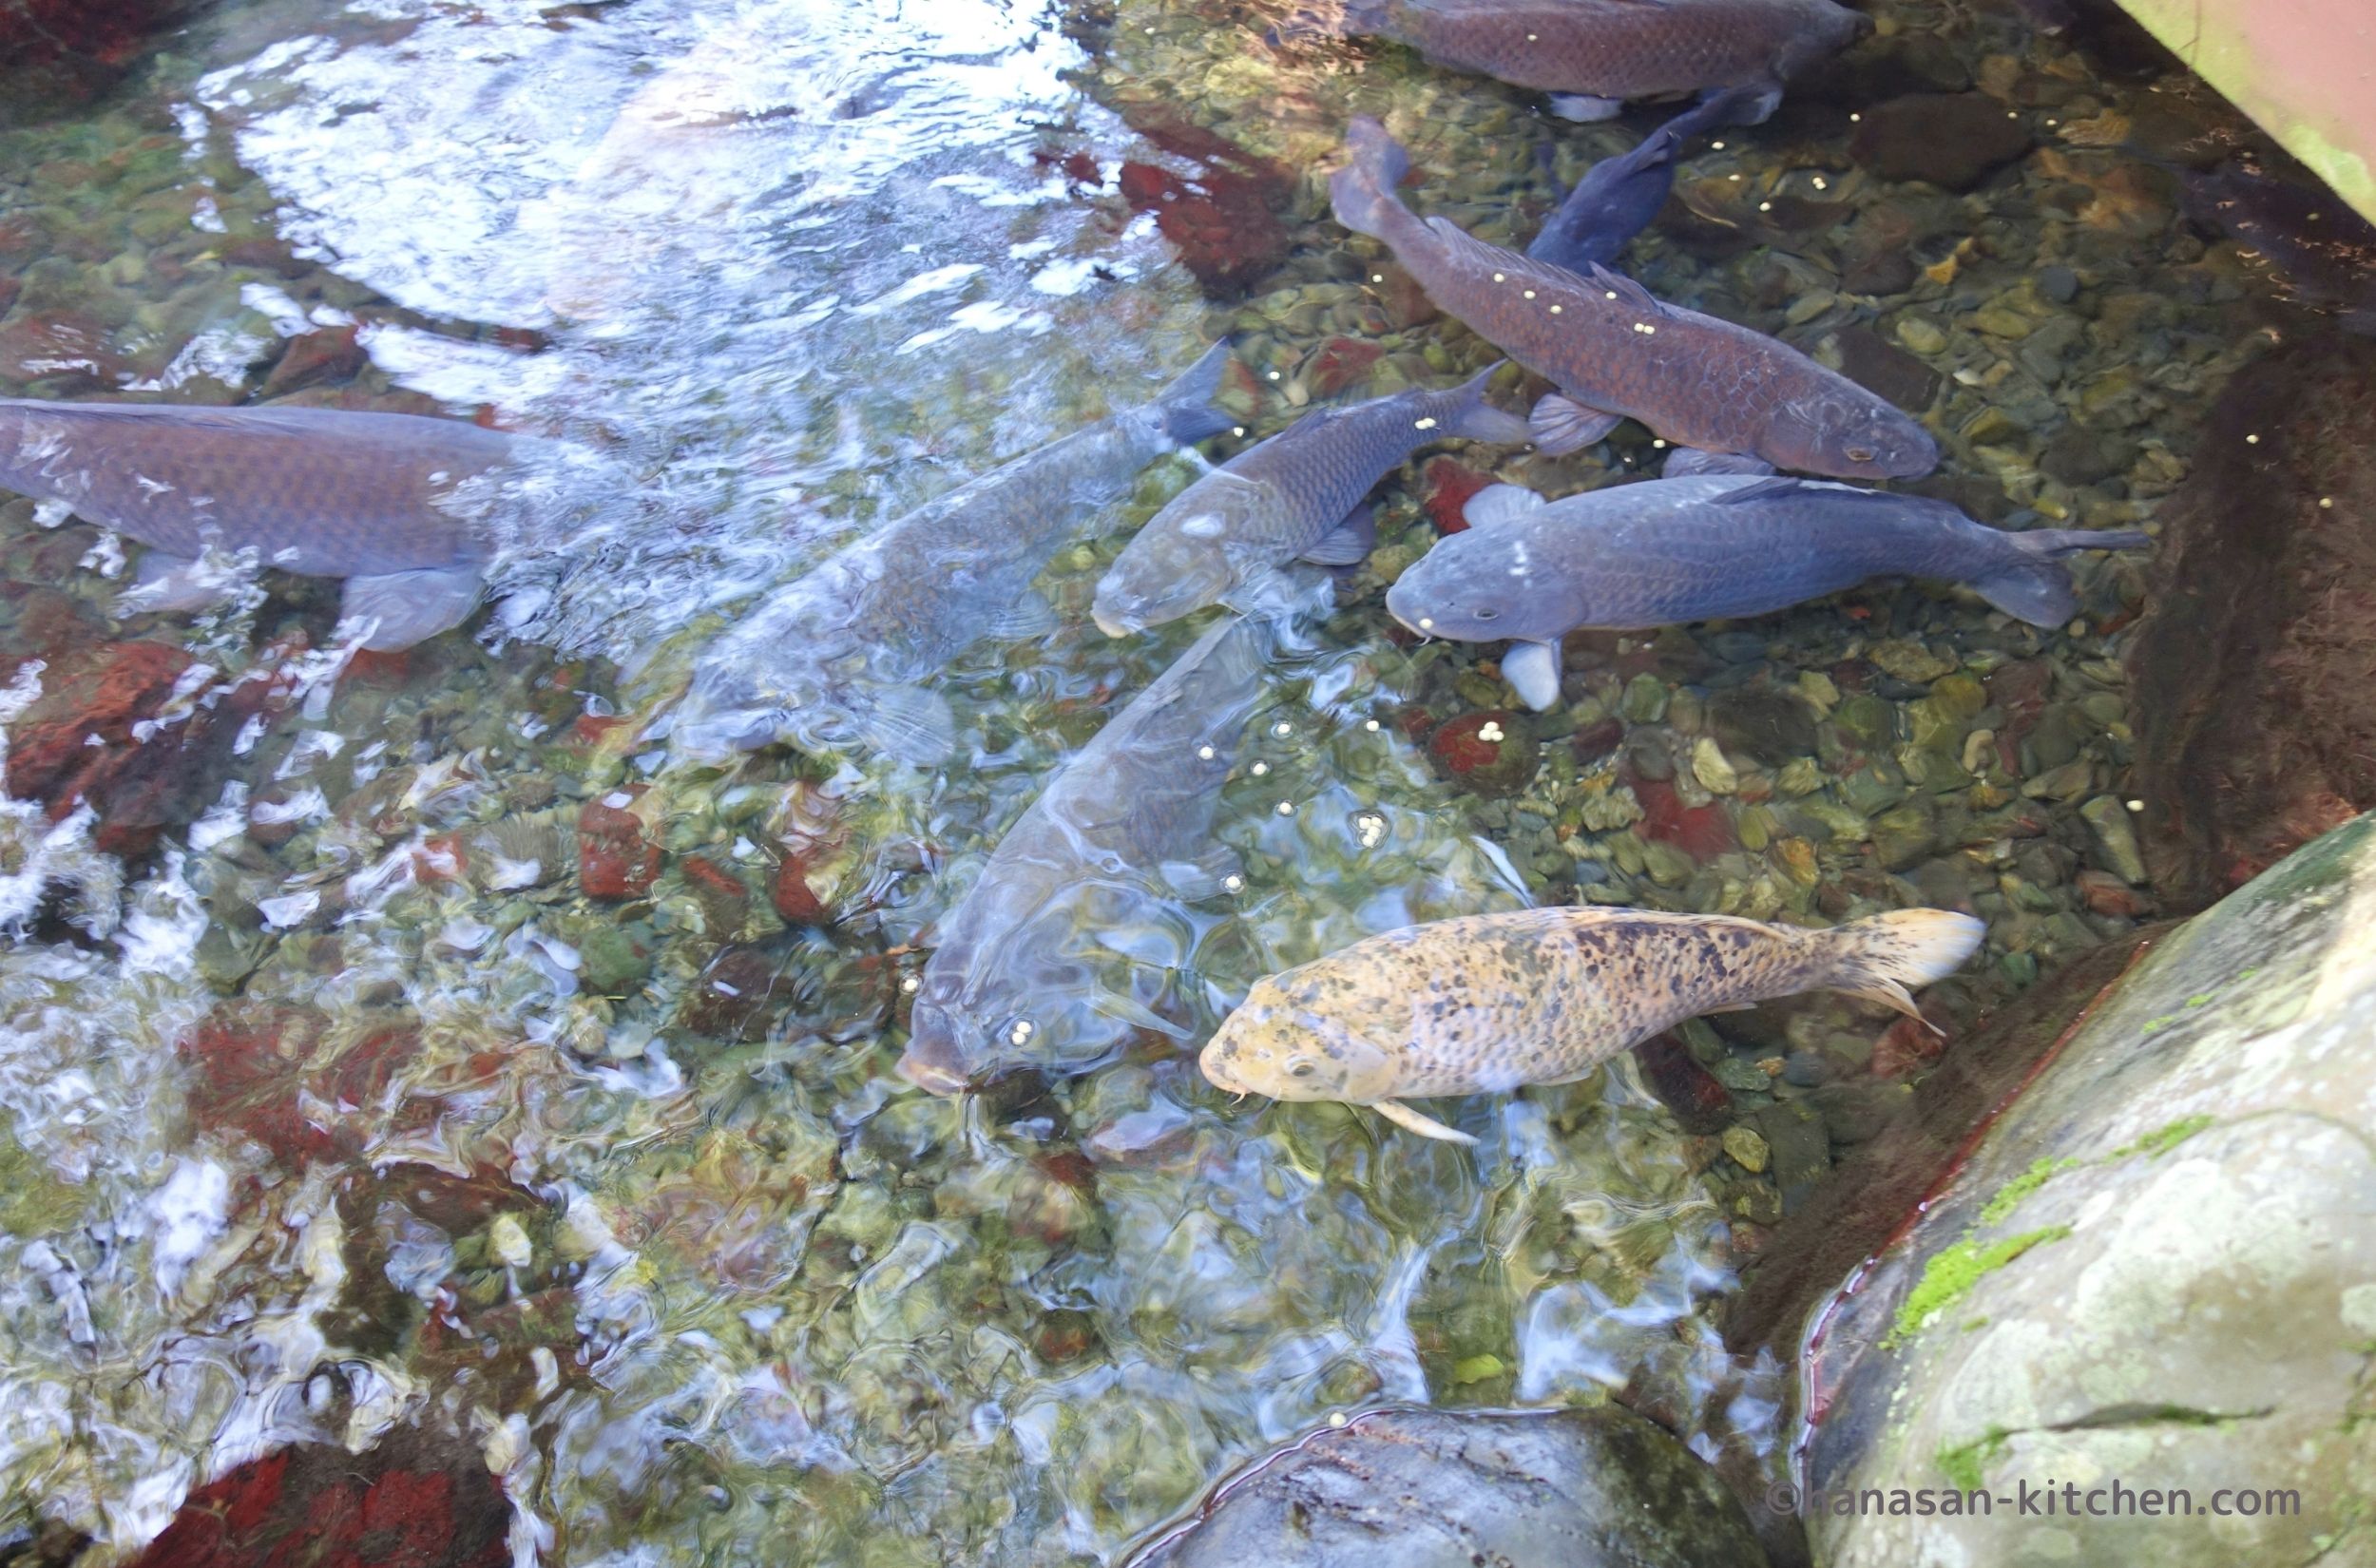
x=2157, y=1266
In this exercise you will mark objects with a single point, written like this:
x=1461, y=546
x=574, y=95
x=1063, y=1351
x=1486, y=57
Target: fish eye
x=1301, y=1066
x=1485, y=614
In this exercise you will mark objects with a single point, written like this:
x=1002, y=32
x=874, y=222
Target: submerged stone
x=1599, y=1488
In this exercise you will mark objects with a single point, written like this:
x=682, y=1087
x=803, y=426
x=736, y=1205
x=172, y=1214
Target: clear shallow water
x=347, y=1109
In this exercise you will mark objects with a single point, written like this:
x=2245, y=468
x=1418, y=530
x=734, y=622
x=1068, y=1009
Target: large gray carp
x=1021, y=968
x=840, y=654
x=1295, y=495
x=1593, y=55
x=409, y=510
x=1708, y=547
x=1613, y=352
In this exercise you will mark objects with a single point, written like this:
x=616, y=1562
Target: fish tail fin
x=1883, y=959
x=909, y=723
x=1189, y=411
x=1478, y=420
x=2036, y=587
x=1362, y=193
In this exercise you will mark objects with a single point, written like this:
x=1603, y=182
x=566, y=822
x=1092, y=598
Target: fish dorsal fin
x=1627, y=291
x=1501, y=503
x=1517, y=270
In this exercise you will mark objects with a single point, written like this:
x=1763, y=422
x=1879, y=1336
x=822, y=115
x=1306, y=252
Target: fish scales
x=1710, y=546
x=1705, y=382
x=313, y=490
x=1280, y=498
x=1096, y=852
x=1611, y=346
x=1324, y=464
x=1489, y=1003
x=1613, y=49
x=1546, y=995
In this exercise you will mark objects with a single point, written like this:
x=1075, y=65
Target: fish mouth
x=1214, y=1061
x=931, y=1077
x=1111, y=624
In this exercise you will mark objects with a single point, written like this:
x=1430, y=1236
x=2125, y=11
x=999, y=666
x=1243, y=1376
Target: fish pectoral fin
x=908, y=723
x=1686, y=461
x=165, y=582
x=1348, y=542
x=1560, y=425
x=1500, y=504
x=1585, y=108
x=398, y=609
x=1533, y=671
x=1411, y=1120
x=1734, y=1007
x=1028, y=618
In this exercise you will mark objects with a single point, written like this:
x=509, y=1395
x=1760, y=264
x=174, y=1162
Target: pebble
x=1921, y=334
x=1709, y=766
x=2116, y=835
x=2058, y=284
x=1748, y=1150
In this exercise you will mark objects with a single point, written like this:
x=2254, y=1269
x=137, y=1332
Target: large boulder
x=1598, y=1488
x=2157, y=1268
x=2250, y=668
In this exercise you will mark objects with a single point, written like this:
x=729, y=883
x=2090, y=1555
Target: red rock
x=330, y=355
x=1064, y=1334
x=64, y=353
x=1342, y=362
x=416, y=1500
x=615, y=859
x=589, y=729
x=85, y=715
x=736, y=996
x=1406, y=303
x=258, y=1065
x=1222, y=218
x=2106, y=894
x=2021, y=689
x=10, y=288
x=1492, y=753
x=1082, y=169
x=1450, y=485
x=1700, y=831
x=795, y=898
x=1909, y=1045
x=1597, y=739
x=1683, y=1086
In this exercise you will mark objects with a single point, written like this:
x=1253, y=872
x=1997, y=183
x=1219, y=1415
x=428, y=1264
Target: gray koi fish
x=1119, y=838
x=1618, y=197
x=1593, y=55
x=839, y=655
x=1710, y=546
x=1613, y=352
x=1295, y=495
x=409, y=510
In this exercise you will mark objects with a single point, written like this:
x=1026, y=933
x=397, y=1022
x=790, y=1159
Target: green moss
x=1951, y=1276
x=1965, y=1465
x=2155, y=1026
x=2162, y=1140
x=2203, y=1000
x=2010, y=1197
